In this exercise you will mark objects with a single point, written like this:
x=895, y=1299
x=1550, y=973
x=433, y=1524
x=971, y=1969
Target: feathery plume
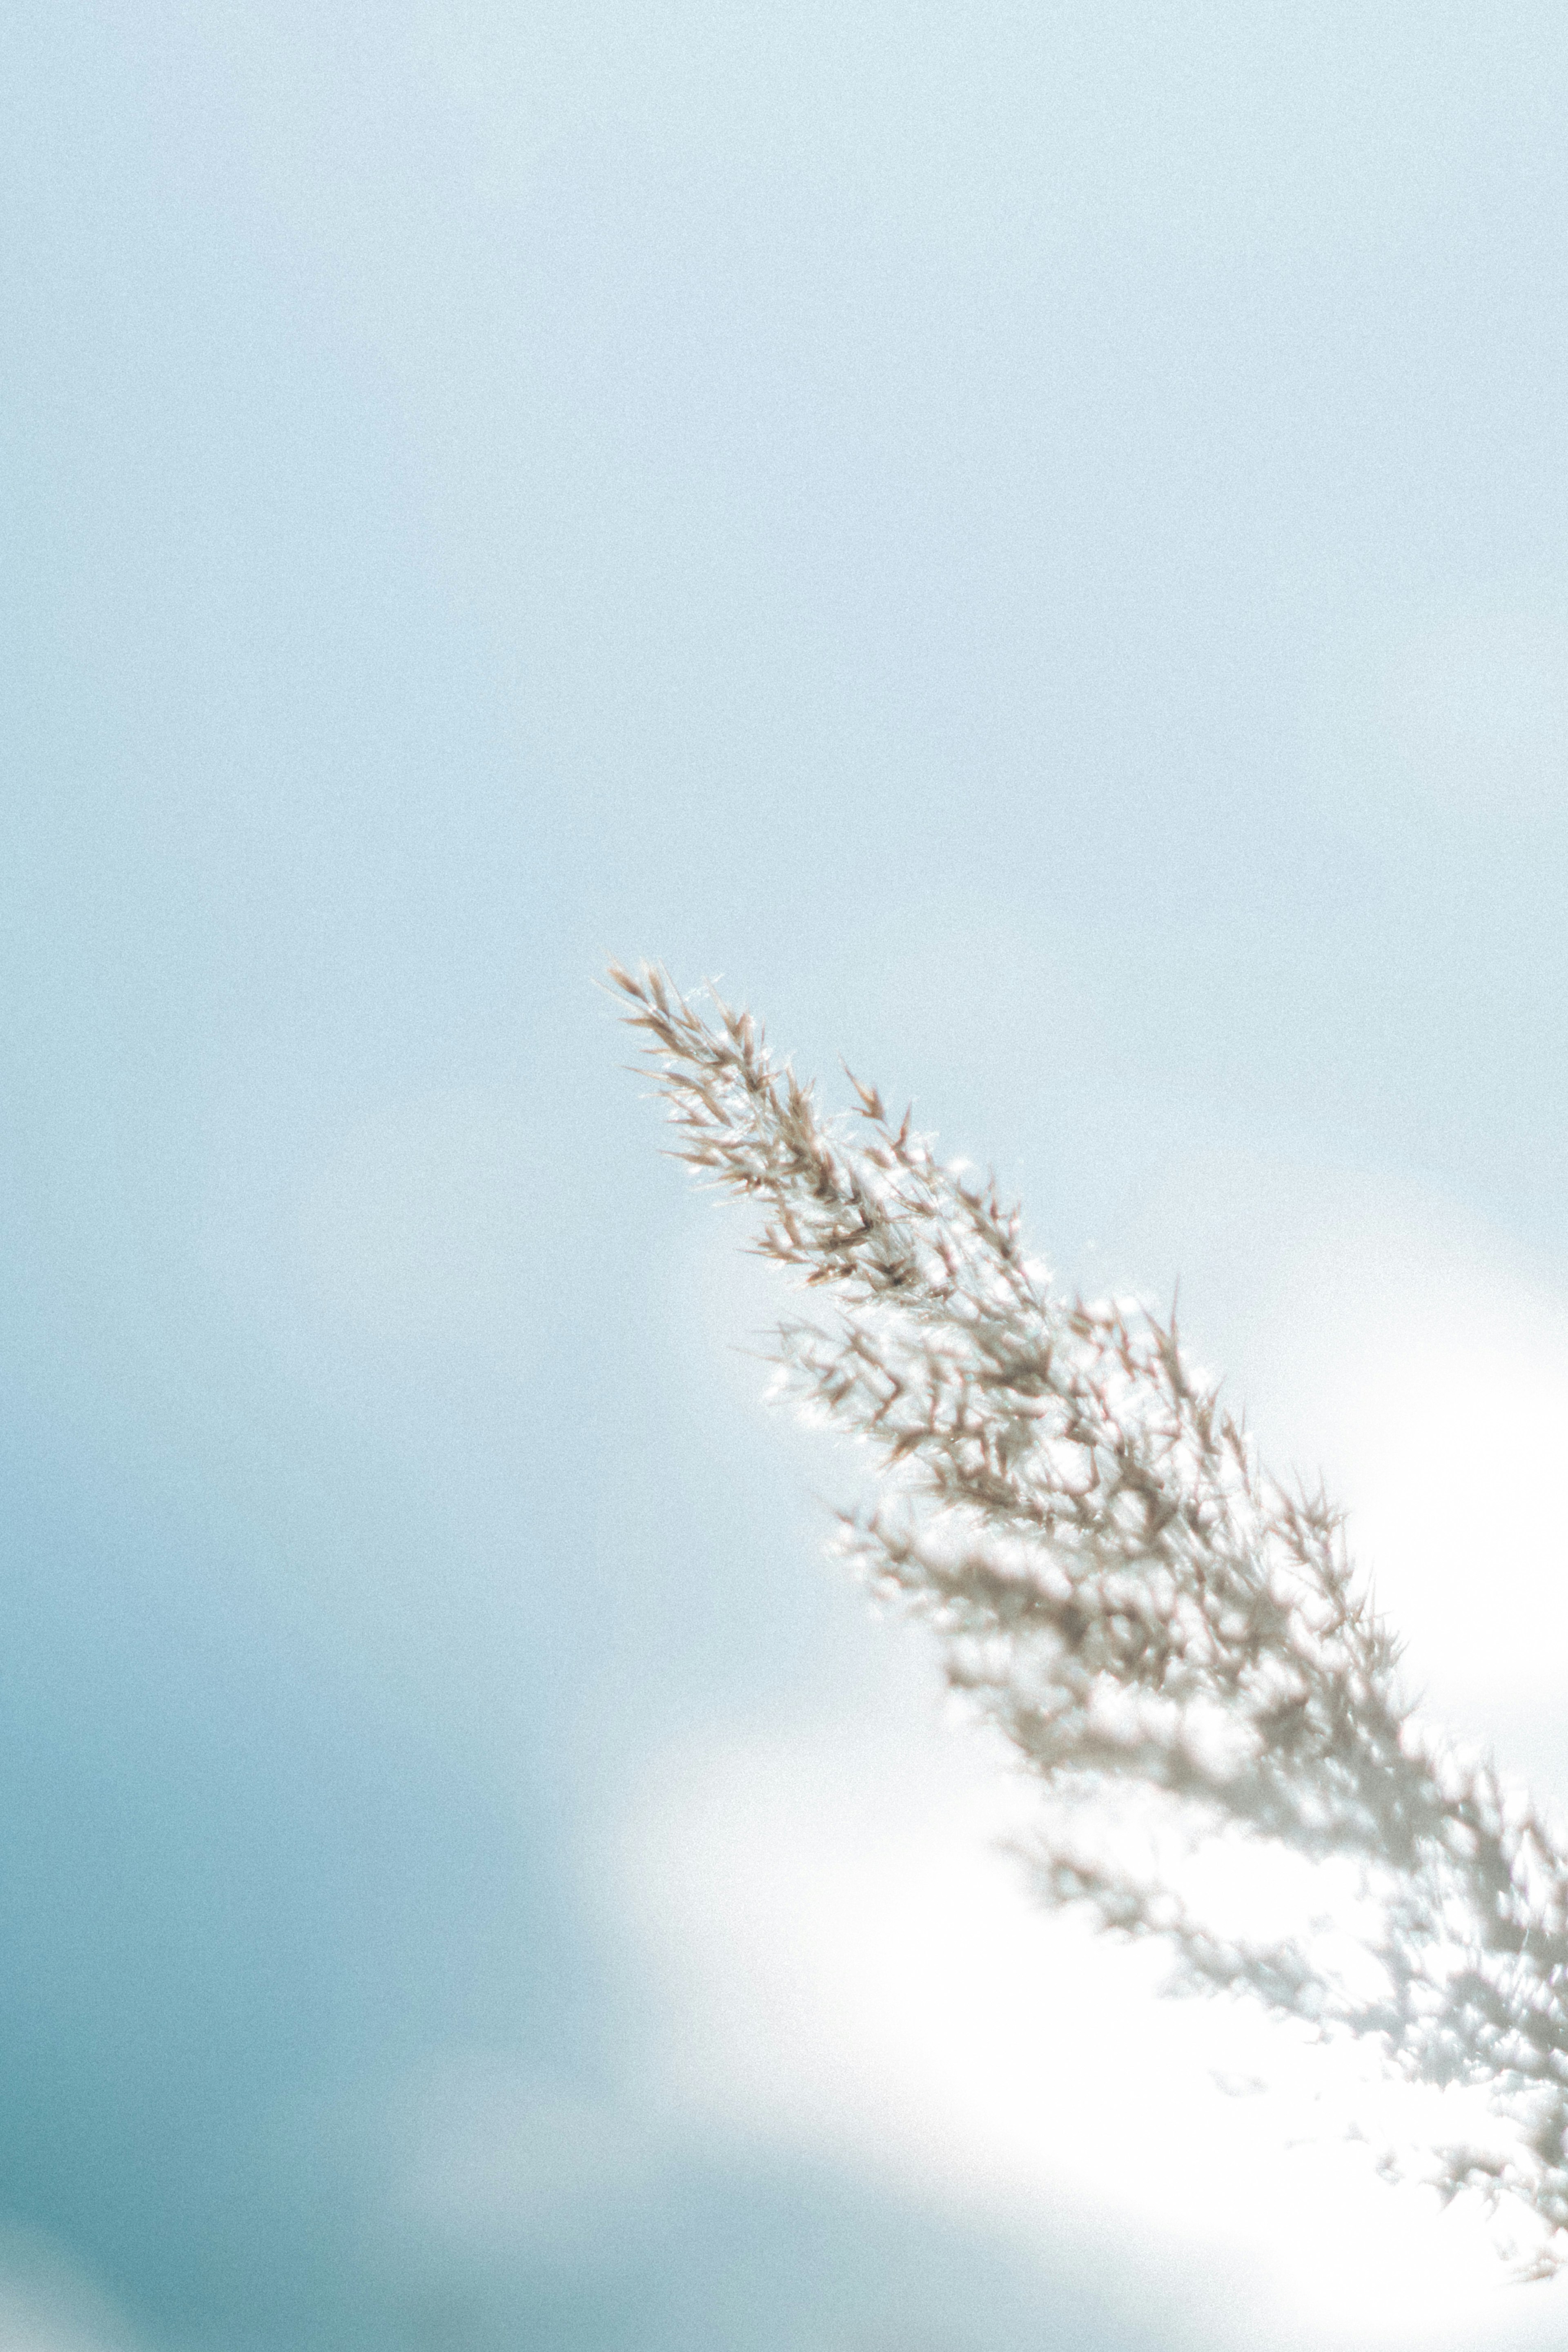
x=1174, y=1644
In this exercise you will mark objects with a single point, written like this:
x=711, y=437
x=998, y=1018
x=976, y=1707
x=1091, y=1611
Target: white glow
x=1432, y=1389
x=851, y=1965
x=1378, y=1335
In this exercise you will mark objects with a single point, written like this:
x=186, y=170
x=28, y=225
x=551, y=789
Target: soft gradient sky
x=1034, y=542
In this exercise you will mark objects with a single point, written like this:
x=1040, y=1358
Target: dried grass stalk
x=1168, y=1638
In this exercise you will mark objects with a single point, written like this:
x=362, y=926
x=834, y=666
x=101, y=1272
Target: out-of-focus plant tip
x=1176, y=1646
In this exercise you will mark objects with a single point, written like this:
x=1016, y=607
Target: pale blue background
x=959, y=521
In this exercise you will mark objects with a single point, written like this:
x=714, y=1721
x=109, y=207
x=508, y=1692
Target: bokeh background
x=1033, y=544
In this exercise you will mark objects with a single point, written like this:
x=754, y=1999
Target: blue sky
x=1032, y=542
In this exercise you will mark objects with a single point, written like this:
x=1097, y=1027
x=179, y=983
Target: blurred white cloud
x=47, y=2306
x=851, y=1968
x=1384, y=1336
